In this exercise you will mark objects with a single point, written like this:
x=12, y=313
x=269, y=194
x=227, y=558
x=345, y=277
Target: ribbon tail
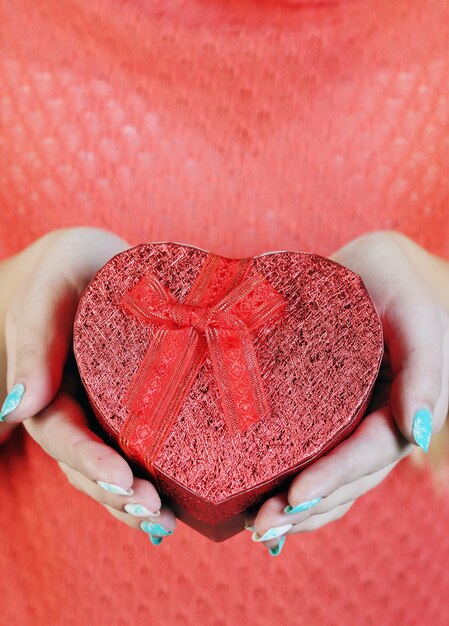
x=238, y=376
x=158, y=390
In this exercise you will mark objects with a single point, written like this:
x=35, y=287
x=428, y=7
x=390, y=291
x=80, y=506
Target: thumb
x=40, y=314
x=417, y=338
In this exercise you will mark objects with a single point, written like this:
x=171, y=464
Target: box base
x=223, y=531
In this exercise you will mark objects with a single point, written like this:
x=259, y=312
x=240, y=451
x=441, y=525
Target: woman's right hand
x=39, y=293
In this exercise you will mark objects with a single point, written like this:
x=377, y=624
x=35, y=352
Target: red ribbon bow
x=217, y=317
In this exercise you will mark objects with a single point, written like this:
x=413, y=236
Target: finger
x=317, y=521
x=417, y=337
x=415, y=324
x=312, y=523
x=39, y=317
x=61, y=430
x=140, y=505
x=272, y=515
x=374, y=444
x=160, y=529
x=346, y=493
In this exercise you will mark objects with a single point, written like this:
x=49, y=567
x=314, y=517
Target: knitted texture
x=185, y=113
x=239, y=126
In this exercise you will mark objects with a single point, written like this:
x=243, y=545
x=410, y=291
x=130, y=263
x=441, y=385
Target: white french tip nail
x=138, y=510
x=272, y=533
x=110, y=488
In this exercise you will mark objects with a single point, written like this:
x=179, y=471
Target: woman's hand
x=39, y=293
x=410, y=289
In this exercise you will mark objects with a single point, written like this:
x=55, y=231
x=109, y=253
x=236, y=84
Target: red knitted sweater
x=239, y=126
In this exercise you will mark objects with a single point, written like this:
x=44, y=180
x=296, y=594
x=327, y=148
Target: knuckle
x=82, y=457
x=70, y=240
x=61, y=237
x=380, y=239
x=53, y=236
x=14, y=310
x=347, y=468
x=43, y=432
x=26, y=311
x=29, y=352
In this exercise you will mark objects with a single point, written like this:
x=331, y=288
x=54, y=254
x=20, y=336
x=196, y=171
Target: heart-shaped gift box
x=222, y=378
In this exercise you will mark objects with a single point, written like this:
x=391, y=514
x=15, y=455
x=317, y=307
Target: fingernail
x=12, y=400
x=422, y=428
x=155, y=529
x=251, y=528
x=115, y=489
x=155, y=540
x=277, y=549
x=272, y=533
x=138, y=510
x=302, y=506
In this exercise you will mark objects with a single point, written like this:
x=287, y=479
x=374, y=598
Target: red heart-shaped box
x=318, y=363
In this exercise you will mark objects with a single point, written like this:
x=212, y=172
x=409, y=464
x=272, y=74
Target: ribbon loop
x=219, y=324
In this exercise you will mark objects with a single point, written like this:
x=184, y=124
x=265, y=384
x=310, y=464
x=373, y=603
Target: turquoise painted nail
x=155, y=540
x=251, y=528
x=422, y=428
x=138, y=510
x=302, y=506
x=115, y=489
x=277, y=549
x=155, y=529
x=272, y=533
x=12, y=400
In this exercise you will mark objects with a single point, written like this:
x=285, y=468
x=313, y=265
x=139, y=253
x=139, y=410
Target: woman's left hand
x=410, y=289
